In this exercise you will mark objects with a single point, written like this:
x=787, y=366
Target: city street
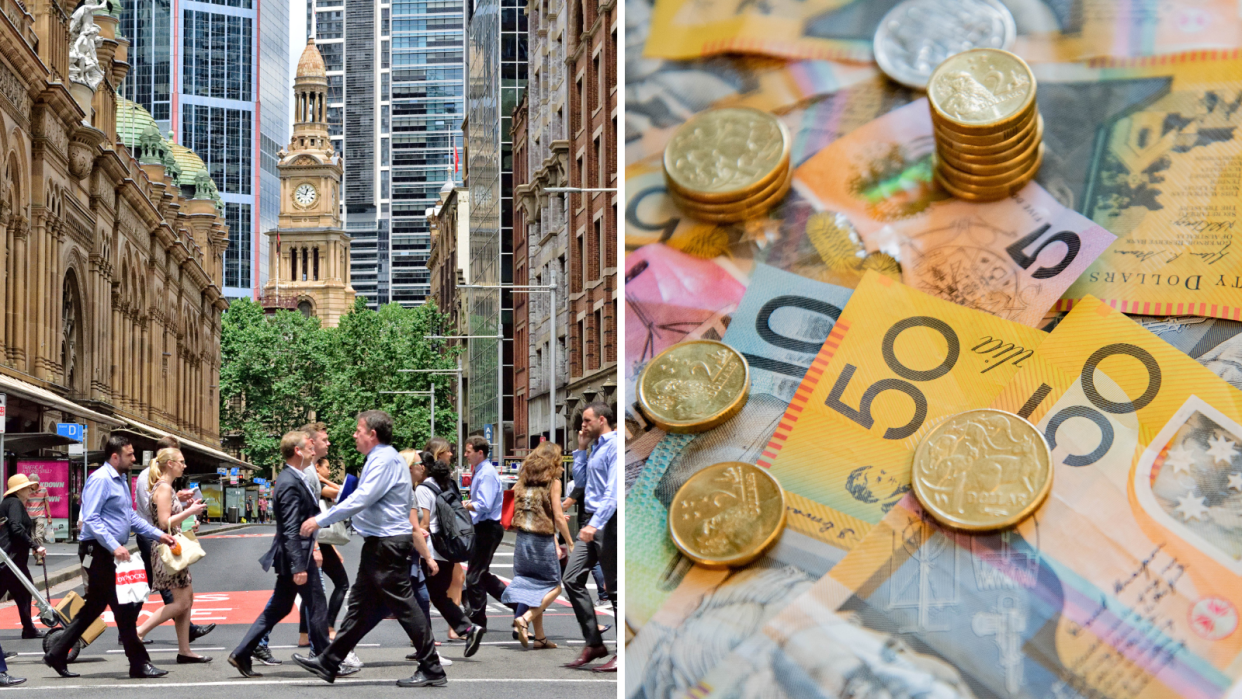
x=231, y=589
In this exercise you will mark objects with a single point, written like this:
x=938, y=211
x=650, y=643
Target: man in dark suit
x=293, y=554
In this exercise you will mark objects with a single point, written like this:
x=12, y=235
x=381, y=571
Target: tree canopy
x=279, y=370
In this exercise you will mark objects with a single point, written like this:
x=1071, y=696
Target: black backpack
x=455, y=539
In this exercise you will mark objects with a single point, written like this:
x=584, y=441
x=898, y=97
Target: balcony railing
x=279, y=301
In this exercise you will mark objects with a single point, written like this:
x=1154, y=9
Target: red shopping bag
x=506, y=510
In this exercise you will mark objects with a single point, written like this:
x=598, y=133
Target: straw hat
x=17, y=482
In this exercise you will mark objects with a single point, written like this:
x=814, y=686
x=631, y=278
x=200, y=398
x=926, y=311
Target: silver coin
x=915, y=36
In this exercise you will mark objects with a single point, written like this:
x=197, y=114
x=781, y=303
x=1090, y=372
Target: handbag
x=131, y=580
x=506, y=510
x=191, y=552
x=336, y=534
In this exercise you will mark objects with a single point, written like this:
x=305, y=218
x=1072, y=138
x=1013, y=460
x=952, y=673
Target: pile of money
x=989, y=134
x=728, y=164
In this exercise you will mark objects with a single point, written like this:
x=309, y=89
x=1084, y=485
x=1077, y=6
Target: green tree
x=278, y=370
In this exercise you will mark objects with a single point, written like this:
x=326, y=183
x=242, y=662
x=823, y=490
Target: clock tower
x=309, y=249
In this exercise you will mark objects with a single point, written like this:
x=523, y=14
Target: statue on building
x=84, y=35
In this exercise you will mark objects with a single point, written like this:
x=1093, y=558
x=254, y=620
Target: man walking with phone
x=292, y=553
x=108, y=516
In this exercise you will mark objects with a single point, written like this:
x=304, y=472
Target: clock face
x=305, y=195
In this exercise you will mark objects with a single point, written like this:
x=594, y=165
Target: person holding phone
x=167, y=512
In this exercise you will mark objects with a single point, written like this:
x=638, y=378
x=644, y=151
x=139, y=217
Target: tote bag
x=191, y=552
x=336, y=534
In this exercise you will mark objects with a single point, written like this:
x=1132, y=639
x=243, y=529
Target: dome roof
x=131, y=121
x=188, y=161
x=311, y=64
x=448, y=187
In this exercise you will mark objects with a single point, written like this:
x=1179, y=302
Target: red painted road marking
x=209, y=607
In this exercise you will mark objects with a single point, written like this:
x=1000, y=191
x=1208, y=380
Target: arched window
x=316, y=267
x=304, y=307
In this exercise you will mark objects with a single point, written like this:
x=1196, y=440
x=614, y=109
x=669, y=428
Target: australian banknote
x=1012, y=258
x=1122, y=585
x=843, y=30
x=1213, y=342
x=779, y=327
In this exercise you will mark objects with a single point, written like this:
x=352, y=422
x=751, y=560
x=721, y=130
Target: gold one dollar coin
x=727, y=514
x=982, y=470
x=694, y=386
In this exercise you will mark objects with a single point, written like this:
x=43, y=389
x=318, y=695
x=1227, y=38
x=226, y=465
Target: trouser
x=101, y=593
x=334, y=569
x=383, y=584
x=267, y=637
x=480, y=582
x=21, y=596
x=608, y=560
x=314, y=607
x=40, y=532
x=584, y=557
x=437, y=590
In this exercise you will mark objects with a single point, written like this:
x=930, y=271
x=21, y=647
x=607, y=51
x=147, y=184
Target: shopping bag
x=506, y=510
x=131, y=580
x=336, y=534
x=190, y=552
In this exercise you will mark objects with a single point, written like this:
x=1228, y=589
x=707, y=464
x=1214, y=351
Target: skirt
x=536, y=571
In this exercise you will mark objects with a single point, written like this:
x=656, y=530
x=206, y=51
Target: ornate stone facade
x=309, y=249
x=113, y=242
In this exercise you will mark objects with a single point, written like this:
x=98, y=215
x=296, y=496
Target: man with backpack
x=486, y=501
x=452, y=540
x=380, y=508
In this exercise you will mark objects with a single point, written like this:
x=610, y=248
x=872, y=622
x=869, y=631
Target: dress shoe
x=588, y=654
x=59, y=666
x=315, y=666
x=197, y=632
x=192, y=659
x=32, y=633
x=424, y=678
x=473, y=639
x=610, y=666
x=7, y=680
x=146, y=671
x=264, y=655
x=243, y=666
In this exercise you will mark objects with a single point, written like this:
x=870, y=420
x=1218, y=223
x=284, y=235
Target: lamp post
x=500, y=385
x=456, y=371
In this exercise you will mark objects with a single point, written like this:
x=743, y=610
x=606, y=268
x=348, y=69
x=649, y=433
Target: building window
x=329, y=25
x=580, y=255
x=384, y=150
x=578, y=119
x=599, y=161
x=600, y=246
x=599, y=77
x=217, y=53
x=582, y=348
x=316, y=267
x=599, y=339
x=293, y=264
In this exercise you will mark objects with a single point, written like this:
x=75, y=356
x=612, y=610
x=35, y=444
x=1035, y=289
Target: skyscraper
x=401, y=65
x=202, y=75
x=496, y=62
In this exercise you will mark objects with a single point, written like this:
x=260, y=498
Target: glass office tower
x=202, y=75
x=401, y=65
x=496, y=62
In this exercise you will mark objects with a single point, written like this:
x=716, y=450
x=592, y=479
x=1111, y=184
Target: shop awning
x=42, y=396
x=22, y=443
x=201, y=450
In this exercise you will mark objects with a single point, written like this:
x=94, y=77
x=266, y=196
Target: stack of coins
x=728, y=164
x=989, y=134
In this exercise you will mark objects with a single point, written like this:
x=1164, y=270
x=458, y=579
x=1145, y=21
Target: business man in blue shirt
x=380, y=509
x=486, y=501
x=108, y=516
x=595, y=465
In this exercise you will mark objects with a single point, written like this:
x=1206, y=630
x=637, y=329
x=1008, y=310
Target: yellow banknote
x=1164, y=174
x=1147, y=490
x=1013, y=258
x=896, y=363
x=843, y=30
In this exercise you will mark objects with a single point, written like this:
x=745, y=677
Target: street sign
x=4, y=401
x=222, y=471
x=487, y=433
x=146, y=457
x=73, y=430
